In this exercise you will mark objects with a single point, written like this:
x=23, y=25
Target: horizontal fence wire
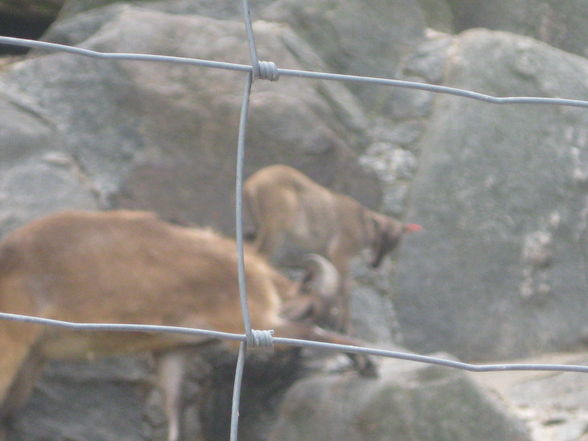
x=268, y=70
x=297, y=73
x=120, y=327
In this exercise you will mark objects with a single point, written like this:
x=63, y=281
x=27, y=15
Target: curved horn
x=321, y=275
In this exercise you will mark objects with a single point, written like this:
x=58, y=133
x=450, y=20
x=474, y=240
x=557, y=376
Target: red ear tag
x=412, y=228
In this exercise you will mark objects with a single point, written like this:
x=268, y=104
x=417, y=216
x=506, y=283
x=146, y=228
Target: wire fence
x=259, y=338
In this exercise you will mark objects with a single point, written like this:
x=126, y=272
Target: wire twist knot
x=260, y=338
x=268, y=71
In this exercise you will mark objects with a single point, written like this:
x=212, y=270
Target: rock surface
x=500, y=191
x=376, y=45
x=409, y=402
x=31, y=9
x=561, y=24
x=553, y=404
x=115, y=398
x=163, y=138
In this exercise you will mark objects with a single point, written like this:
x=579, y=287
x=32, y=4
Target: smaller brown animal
x=131, y=267
x=288, y=209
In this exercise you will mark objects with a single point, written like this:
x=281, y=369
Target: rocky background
x=499, y=273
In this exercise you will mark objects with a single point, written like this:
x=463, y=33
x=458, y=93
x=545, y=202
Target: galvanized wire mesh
x=254, y=338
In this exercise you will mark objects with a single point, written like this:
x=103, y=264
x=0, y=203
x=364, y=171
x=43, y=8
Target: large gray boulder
x=500, y=269
x=561, y=24
x=36, y=175
x=107, y=401
x=408, y=403
x=375, y=45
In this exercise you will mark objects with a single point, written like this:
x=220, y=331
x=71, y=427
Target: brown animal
x=289, y=209
x=129, y=267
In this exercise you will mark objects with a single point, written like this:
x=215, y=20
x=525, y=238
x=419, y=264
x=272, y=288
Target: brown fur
x=126, y=267
x=289, y=209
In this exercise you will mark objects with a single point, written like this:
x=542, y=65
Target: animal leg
x=20, y=365
x=272, y=214
x=170, y=373
x=339, y=255
x=262, y=241
x=345, y=305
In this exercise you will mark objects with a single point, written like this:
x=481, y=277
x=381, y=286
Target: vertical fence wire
x=241, y=258
x=241, y=143
x=239, y=205
x=250, y=38
x=237, y=386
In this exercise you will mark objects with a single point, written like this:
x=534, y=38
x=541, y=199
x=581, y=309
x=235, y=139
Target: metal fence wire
x=267, y=70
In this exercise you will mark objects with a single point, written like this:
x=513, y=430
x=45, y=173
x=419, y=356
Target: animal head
x=387, y=235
